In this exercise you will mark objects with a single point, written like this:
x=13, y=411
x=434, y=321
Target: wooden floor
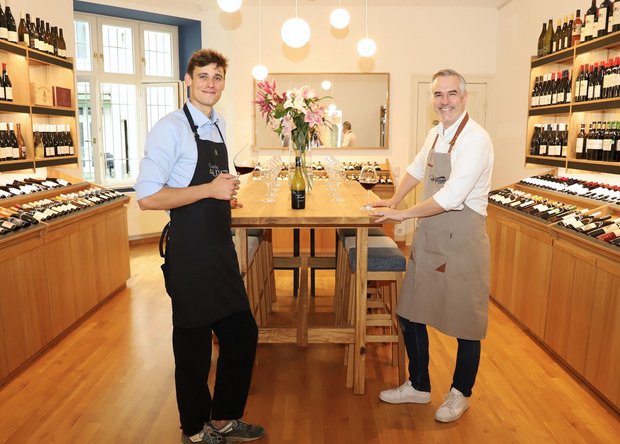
x=111, y=381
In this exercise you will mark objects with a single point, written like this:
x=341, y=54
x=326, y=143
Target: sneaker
x=206, y=436
x=405, y=393
x=453, y=407
x=239, y=431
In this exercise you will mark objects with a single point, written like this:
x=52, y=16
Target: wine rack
x=29, y=68
x=575, y=112
x=558, y=280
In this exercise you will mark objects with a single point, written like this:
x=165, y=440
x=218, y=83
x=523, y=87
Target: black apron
x=201, y=269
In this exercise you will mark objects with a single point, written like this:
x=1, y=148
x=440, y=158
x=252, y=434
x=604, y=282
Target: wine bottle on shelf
x=580, y=143
x=8, y=86
x=4, y=32
x=62, y=45
x=20, y=142
x=616, y=17
x=576, y=31
x=298, y=187
x=541, y=40
x=37, y=34
x=54, y=40
x=568, y=32
x=557, y=37
x=29, y=27
x=11, y=25
x=49, y=48
x=548, y=38
x=604, y=9
x=586, y=33
x=23, y=33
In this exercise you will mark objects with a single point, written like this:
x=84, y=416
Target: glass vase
x=305, y=154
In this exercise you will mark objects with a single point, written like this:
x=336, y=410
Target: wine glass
x=368, y=178
x=246, y=160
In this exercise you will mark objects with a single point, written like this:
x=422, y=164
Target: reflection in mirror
x=357, y=106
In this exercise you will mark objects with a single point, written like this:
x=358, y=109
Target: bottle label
x=597, y=144
x=597, y=92
x=27, y=39
x=4, y=33
x=298, y=199
x=12, y=35
x=8, y=93
x=579, y=146
x=607, y=143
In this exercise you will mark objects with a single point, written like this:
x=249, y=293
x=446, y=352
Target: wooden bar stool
x=386, y=268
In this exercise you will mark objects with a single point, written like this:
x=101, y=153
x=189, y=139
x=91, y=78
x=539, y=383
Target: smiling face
x=206, y=84
x=448, y=99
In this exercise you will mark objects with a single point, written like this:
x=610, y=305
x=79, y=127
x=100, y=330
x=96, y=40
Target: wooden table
x=320, y=212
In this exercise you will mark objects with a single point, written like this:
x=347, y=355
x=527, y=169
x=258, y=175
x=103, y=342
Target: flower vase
x=305, y=154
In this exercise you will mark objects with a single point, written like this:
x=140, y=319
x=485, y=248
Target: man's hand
x=223, y=187
x=388, y=203
x=386, y=213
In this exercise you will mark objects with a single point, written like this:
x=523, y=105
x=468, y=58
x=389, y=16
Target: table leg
x=241, y=246
x=296, y=254
x=361, y=273
x=302, y=304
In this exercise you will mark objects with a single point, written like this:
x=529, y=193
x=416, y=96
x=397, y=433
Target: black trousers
x=416, y=343
x=237, y=335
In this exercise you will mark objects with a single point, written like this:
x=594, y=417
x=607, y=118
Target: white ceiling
x=443, y=3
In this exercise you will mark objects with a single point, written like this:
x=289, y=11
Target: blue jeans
x=416, y=343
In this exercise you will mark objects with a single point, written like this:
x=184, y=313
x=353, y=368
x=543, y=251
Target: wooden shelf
x=55, y=161
x=609, y=41
x=592, y=165
x=9, y=107
x=596, y=105
x=564, y=56
x=545, y=160
x=564, y=108
x=12, y=165
x=53, y=111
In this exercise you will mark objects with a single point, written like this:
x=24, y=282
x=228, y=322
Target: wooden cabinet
x=32, y=71
x=562, y=286
x=56, y=272
x=574, y=113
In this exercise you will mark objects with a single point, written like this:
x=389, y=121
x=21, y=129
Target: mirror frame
x=256, y=114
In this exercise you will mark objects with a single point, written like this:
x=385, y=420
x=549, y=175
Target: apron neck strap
x=195, y=128
x=458, y=131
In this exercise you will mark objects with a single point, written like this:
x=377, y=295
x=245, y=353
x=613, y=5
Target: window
x=126, y=81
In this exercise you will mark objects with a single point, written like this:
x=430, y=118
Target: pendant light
x=260, y=71
x=229, y=5
x=295, y=32
x=340, y=17
x=366, y=47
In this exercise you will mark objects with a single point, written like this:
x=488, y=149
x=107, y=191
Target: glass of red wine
x=368, y=178
x=246, y=160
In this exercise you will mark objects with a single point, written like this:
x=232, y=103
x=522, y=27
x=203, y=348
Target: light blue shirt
x=170, y=153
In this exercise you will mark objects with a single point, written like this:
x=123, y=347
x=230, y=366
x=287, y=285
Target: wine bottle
x=548, y=39
x=62, y=45
x=11, y=26
x=577, y=26
x=541, y=40
x=604, y=9
x=589, y=27
x=4, y=32
x=20, y=142
x=37, y=34
x=556, y=42
x=616, y=17
x=49, y=48
x=30, y=28
x=8, y=86
x=298, y=187
x=23, y=33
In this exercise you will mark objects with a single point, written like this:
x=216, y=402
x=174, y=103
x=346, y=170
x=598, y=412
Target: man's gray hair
x=450, y=72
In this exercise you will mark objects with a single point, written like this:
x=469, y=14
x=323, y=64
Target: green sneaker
x=239, y=431
x=207, y=436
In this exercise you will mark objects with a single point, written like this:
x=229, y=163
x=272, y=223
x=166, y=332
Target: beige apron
x=447, y=281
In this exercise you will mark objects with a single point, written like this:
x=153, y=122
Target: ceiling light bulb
x=340, y=18
x=366, y=47
x=331, y=107
x=295, y=32
x=326, y=84
x=229, y=5
x=259, y=72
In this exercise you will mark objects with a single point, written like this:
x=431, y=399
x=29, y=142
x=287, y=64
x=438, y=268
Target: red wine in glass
x=242, y=170
x=368, y=185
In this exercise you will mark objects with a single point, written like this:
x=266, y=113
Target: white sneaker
x=453, y=407
x=405, y=393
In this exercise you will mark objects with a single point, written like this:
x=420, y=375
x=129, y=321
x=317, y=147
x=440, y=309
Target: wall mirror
x=361, y=99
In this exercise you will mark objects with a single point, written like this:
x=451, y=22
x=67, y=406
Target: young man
x=447, y=280
x=348, y=136
x=185, y=171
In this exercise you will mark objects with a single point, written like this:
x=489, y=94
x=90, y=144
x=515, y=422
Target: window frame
x=97, y=76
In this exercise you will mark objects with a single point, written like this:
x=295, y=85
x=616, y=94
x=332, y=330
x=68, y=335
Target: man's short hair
x=450, y=72
x=204, y=57
x=346, y=125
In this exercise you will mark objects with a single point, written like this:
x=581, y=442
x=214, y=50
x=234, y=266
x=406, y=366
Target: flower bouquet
x=297, y=115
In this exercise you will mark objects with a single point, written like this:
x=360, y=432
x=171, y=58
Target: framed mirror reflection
x=357, y=104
